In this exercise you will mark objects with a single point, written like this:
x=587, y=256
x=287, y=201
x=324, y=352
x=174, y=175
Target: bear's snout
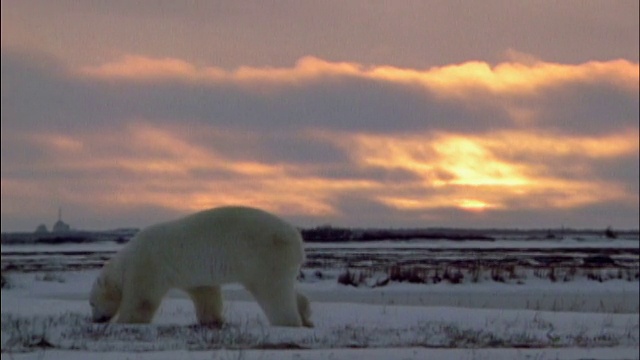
x=101, y=319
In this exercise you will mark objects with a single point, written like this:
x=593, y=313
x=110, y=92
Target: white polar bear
x=198, y=253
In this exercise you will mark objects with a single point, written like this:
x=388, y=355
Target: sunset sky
x=483, y=114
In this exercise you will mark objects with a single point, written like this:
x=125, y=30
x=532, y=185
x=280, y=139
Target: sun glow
x=493, y=171
x=470, y=163
x=473, y=205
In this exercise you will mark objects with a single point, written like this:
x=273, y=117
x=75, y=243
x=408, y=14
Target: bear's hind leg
x=279, y=303
x=207, y=301
x=304, y=309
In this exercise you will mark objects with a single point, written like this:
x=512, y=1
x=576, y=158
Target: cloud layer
x=521, y=143
x=408, y=34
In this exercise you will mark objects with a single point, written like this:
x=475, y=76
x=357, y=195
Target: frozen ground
x=45, y=316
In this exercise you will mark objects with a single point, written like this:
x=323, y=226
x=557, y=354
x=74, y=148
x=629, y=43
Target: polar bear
x=197, y=254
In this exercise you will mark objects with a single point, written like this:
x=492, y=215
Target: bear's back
x=232, y=226
x=237, y=220
x=224, y=244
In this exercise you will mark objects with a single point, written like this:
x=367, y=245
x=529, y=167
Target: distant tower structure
x=60, y=226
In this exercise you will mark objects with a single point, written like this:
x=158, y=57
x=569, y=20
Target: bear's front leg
x=139, y=311
x=140, y=302
x=207, y=301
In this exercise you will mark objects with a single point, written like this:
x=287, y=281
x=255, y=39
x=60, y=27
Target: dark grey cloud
x=624, y=171
x=40, y=94
x=588, y=108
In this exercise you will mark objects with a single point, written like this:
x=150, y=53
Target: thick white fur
x=198, y=253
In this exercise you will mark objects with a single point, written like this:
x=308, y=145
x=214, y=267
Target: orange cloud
x=452, y=80
x=144, y=68
x=512, y=77
x=147, y=165
x=59, y=143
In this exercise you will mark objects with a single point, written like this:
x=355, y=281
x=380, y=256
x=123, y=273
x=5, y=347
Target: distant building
x=42, y=229
x=60, y=226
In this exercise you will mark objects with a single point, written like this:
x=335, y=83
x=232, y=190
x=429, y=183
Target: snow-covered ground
x=46, y=316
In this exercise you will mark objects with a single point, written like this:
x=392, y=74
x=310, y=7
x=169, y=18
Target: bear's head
x=104, y=299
